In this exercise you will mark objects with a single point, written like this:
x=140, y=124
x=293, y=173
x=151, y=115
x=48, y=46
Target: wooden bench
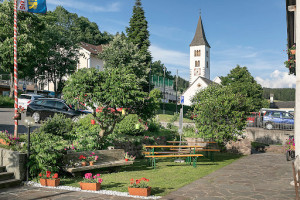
x=204, y=148
x=107, y=158
x=152, y=155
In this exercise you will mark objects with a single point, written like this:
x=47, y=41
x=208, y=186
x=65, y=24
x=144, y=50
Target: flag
x=33, y=6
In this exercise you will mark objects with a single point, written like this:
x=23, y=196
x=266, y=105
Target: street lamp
x=29, y=122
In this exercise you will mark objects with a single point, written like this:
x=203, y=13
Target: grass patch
x=6, y=102
x=168, y=118
x=167, y=177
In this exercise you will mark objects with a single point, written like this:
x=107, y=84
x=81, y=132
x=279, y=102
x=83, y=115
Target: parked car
x=44, y=108
x=25, y=99
x=252, y=119
x=278, y=119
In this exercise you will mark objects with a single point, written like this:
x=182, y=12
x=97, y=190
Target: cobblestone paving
x=258, y=176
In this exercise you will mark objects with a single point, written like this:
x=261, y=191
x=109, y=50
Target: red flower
x=82, y=157
x=40, y=175
x=131, y=181
x=55, y=175
x=48, y=175
x=48, y=172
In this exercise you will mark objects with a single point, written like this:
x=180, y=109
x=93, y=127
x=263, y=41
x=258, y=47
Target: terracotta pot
x=90, y=186
x=126, y=159
x=140, y=191
x=2, y=141
x=91, y=163
x=83, y=163
x=53, y=182
x=43, y=181
x=293, y=52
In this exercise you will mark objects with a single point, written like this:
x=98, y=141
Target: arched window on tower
x=207, y=64
x=197, y=63
x=195, y=53
x=199, y=53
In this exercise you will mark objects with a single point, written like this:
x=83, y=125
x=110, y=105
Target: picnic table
x=190, y=155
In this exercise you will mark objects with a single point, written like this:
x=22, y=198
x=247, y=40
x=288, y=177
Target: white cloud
x=278, y=79
x=170, y=56
x=81, y=5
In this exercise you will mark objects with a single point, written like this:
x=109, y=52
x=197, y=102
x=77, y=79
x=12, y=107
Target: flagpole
x=15, y=69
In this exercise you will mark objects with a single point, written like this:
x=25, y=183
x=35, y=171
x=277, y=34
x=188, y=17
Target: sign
x=182, y=99
x=24, y=87
x=33, y=6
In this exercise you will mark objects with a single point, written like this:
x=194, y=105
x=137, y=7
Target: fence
x=272, y=119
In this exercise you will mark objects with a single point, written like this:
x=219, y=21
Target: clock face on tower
x=197, y=72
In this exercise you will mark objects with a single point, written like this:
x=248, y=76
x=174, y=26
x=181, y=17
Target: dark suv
x=44, y=108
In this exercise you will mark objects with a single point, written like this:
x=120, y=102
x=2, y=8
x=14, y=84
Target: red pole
x=15, y=68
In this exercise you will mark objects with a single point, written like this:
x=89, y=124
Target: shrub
x=86, y=135
x=153, y=125
x=5, y=101
x=59, y=125
x=46, y=152
x=130, y=125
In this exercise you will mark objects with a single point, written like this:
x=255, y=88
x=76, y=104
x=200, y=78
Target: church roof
x=205, y=80
x=199, y=38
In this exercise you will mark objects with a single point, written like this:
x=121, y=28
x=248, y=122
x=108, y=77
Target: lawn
x=168, y=176
x=168, y=118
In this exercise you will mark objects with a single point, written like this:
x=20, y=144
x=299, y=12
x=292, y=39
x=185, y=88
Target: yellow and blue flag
x=33, y=6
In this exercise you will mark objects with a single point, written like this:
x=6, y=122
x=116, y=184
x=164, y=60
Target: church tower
x=199, y=54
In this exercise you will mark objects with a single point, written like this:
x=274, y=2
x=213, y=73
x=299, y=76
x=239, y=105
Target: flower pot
x=140, y=191
x=83, y=163
x=2, y=141
x=53, y=182
x=43, y=181
x=293, y=52
x=126, y=159
x=90, y=186
x=91, y=163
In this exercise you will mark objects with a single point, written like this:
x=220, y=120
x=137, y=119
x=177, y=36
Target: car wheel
x=269, y=126
x=75, y=119
x=36, y=117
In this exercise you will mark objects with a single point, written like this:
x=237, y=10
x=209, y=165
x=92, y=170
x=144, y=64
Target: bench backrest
x=104, y=155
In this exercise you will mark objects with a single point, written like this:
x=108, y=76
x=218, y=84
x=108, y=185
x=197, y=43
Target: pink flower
x=88, y=175
x=98, y=174
x=96, y=157
x=93, y=153
x=94, y=177
x=100, y=180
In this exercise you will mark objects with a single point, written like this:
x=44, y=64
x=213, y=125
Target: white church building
x=199, y=65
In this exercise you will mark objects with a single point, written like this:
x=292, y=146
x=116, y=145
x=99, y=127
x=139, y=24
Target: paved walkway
x=258, y=176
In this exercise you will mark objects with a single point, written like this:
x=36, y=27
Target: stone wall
x=241, y=146
x=268, y=136
x=14, y=161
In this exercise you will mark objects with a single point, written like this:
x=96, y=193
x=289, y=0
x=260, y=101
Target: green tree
x=220, y=113
x=60, y=49
x=138, y=34
x=241, y=82
x=29, y=42
x=107, y=90
x=121, y=53
x=157, y=68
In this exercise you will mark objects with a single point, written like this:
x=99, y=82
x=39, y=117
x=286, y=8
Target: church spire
x=199, y=38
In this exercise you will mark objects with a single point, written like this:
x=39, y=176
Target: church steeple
x=199, y=38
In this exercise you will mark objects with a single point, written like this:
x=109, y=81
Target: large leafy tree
x=29, y=42
x=60, y=48
x=120, y=53
x=220, y=113
x=107, y=91
x=138, y=34
x=241, y=82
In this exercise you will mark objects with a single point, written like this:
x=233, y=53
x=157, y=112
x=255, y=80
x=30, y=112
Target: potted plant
x=53, y=181
x=292, y=50
x=91, y=182
x=83, y=160
x=290, y=149
x=92, y=158
x=139, y=187
x=126, y=156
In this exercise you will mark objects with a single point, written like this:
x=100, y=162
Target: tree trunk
x=11, y=93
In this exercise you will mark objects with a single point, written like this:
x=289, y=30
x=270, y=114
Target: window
x=50, y=103
x=197, y=53
x=276, y=114
x=206, y=53
x=60, y=105
x=206, y=64
x=197, y=63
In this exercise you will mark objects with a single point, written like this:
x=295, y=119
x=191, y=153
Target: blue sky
x=250, y=33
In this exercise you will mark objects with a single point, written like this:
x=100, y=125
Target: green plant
x=47, y=175
x=290, y=144
x=93, y=157
x=5, y=101
x=139, y=183
x=130, y=125
x=9, y=138
x=89, y=178
x=86, y=136
x=129, y=157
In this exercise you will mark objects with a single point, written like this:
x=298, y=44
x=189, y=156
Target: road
x=7, y=123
